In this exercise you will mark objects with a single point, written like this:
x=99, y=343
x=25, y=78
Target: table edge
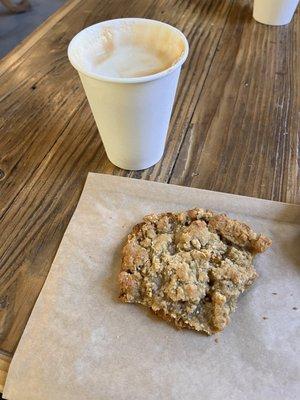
x=9, y=59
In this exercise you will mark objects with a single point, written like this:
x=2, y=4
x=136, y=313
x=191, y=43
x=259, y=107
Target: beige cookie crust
x=190, y=267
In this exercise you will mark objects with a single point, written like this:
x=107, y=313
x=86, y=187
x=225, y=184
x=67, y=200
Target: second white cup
x=274, y=12
x=132, y=113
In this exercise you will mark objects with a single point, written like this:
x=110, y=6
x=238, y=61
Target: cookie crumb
x=264, y=317
x=295, y=308
x=216, y=340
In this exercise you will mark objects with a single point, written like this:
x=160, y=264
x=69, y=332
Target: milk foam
x=128, y=61
x=128, y=50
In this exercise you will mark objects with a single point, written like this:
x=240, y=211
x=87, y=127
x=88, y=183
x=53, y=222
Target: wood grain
x=4, y=365
x=244, y=134
x=235, y=128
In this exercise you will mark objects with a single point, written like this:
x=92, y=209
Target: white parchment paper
x=82, y=343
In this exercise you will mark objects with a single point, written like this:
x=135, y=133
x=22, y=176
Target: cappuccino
x=132, y=49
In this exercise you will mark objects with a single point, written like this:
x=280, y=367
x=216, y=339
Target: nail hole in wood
x=3, y=302
x=2, y=174
x=33, y=87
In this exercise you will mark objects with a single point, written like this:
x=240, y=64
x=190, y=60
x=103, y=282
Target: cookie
x=190, y=267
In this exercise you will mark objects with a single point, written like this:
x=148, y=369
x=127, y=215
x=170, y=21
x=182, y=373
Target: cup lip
x=139, y=79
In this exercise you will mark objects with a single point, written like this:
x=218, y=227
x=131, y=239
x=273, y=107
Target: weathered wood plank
x=4, y=365
x=244, y=134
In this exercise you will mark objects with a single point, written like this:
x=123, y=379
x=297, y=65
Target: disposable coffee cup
x=274, y=12
x=130, y=91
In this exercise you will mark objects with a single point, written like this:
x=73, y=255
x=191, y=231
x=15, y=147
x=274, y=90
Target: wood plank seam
x=203, y=85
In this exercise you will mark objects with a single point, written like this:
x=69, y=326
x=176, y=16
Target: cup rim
x=139, y=79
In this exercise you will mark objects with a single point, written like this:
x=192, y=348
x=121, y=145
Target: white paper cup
x=274, y=12
x=132, y=114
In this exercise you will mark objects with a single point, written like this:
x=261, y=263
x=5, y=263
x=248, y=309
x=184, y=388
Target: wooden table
x=235, y=128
